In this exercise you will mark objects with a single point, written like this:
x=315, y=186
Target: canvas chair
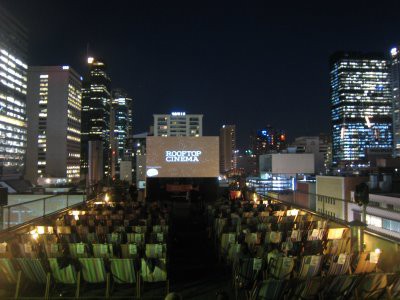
x=364, y=263
x=93, y=271
x=270, y=289
x=307, y=289
x=226, y=240
x=156, y=250
x=280, y=267
x=129, y=250
x=114, y=238
x=123, y=272
x=273, y=237
x=53, y=250
x=154, y=272
x=339, y=264
x=310, y=266
x=339, y=287
x=103, y=250
x=372, y=286
x=9, y=276
x=78, y=250
x=245, y=274
x=65, y=276
x=33, y=270
x=136, y=238
x=139, y=229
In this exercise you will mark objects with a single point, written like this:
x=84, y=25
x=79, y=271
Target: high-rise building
x=361, y=106
x=122, y=129
x=13, y=88
x=395, y=81
x=54, y=116
x=96, y=102
x=227, y=147
x=178, y=124
x=268, y=140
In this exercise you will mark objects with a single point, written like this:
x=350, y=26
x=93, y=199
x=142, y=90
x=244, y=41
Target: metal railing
x=17, y=214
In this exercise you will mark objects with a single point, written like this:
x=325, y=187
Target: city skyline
x=234, y=64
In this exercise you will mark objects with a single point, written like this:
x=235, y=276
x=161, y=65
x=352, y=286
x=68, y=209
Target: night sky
x=246, y=63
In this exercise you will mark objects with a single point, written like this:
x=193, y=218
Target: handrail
x=39, y=199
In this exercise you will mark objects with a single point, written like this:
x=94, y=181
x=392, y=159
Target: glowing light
x=394, y=51
x=65, y=67
x=106, y=198
x=367, y=121
x=40, y=229
x=152, y=172
x=90, y=60
x=378, y=251
x=342, y=133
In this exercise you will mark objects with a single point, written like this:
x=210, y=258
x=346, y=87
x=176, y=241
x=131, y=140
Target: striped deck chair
x=123, y=270
x=137, y=238
x=335, y=233
x=246, y=272
x=233, y=251
x=394, y=291
x=158, y=274
x=65, y=276
x=270, y=289
x=33, y=270
x=114, y=238
x=94, y=271
x=78, y=250
x=339, y=264
x=308, y=288
x=226, y=240
x=158, y=237
x=364, y=264
x=129, y=250
x=339, y=287
x=9, y=275
x=372, y=286
x=156, y=250
x=280, y=267
x=103, y=250
x=273, y=237
x=92, y=238
x=53, y=250
x=310, y=266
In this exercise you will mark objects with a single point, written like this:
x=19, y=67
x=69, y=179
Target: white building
x=54, y=123
x=178, y=124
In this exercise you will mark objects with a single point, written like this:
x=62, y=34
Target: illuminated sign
x=182, y=156
x=176, y=113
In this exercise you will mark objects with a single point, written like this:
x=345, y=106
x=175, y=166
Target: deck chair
x=273, y=237
x=339, y=287
x=339, y=264
x=233, y=251
x=394, y=290
x=137, y=238
x=5, y=250
x=65, y=276
x=364, y=263
x=338, y=246
x=139, y=229
x=226, y=240
x=9, y=276
x=123, y=272
x=114, y=238
x=158, y=237
x=153, y=271
x=103, y=250
x=33, y=270
x=372, y=286
x=78, y=250
x=307, y=289
x=156, y=250
x=246, y=272
x=280, y=267
x=93, y=271
x=310, y=266
x=335, y=233
x=53, y=250
x=270, y=289
x=129, y=250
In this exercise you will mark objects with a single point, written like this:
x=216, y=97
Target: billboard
x=182, y=156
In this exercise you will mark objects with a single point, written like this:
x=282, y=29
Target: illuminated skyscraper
x=395, y=80
x=122, y=126
x=227, y=147
x=54, y=118
x=13, y=86
x=268, y=140
x=361, y=106
x=96, y=101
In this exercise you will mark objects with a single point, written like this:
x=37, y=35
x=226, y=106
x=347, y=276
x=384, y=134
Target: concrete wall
x=287, y=163
x=389, y=260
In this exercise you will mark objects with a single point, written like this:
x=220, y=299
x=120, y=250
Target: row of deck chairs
x=294, y=256
x=56, y=261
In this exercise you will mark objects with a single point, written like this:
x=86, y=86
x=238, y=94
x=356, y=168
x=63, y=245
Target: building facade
x=96, y=103
x=227, y=148
x=268, y=140
x=395, y=81
x=122, y=128
x=361, y=106
x=54, y=119
x=178, y=124
x=13, y=89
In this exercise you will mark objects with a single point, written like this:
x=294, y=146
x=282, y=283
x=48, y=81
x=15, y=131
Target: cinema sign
x=182, y=156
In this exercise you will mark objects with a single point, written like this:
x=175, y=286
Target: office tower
x=122, y=131
x=395, y=84
x=268, y=140
x=96, y=102
x=361, y=106
x=178, y=124
x=54, y=131
x=227, y=148
x=13, y=87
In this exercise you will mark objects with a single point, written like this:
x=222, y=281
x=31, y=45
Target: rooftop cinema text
x=182, y=156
